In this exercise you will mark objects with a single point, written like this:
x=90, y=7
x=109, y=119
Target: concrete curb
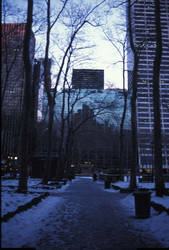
x=24, y=207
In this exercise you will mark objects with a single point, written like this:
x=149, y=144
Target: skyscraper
x=12, y=84
x=39, y=88
x=144, y=34
x=88, y=79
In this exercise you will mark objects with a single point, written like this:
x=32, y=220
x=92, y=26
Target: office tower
x=144, y=33
x=88, y=79
x=41, y=102
x=12, y=85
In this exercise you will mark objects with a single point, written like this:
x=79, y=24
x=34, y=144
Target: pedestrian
x=94, y=177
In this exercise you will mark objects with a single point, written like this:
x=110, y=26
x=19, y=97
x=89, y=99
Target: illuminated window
x=16, y=50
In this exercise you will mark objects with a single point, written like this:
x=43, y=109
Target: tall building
x=12, y=85
x=39, y=88
x=88, y=79
x=95, y=117
x=143, y=27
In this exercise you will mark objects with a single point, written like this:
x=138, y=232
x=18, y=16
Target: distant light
x=15, y=157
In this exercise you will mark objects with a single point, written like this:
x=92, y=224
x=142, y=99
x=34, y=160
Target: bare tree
x=71, y=99
x=22, y=187
x=125, y=95
x=134, y=163
x=51, y=97
x=122, y=53
x=158, y=163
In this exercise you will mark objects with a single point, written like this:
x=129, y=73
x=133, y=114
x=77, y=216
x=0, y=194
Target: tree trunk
x=51, y=97
x=47, y=170
x=26, y=105
x=122, y=136
x=134, y=162
x=158, y=164
x=123, y=119
x=50, y=100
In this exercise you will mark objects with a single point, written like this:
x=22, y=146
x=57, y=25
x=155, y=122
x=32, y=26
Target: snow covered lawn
x=157, y=224
x=22, y=223
x=26, y=234
x=10, y=199
x=163, y=201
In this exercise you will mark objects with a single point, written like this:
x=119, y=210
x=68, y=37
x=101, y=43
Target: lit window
x=16, y=50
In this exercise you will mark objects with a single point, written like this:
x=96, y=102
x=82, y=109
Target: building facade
x=95, y=117
x=143, y=27
x=88, y=79
x=39, y=88
x=97, y=145
x=12, y=85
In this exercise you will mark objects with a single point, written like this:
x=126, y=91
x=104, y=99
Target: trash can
x=142, y=204
x=107, y=184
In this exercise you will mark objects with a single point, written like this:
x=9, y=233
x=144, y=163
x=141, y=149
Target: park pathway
x=91, y=219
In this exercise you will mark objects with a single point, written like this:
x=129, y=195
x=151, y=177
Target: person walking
x=94, y=177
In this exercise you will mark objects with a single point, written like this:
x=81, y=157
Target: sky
x=103, y=55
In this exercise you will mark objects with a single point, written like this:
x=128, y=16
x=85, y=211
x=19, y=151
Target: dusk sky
x=102, y=56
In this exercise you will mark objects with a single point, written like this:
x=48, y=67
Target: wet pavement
x=92, y=219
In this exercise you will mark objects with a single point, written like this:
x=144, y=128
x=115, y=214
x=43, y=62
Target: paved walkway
x=91, y=219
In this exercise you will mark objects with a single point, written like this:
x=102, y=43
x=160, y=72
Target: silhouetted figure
x=94, y=177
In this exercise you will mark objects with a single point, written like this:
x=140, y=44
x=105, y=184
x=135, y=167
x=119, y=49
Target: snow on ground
x=22, y=223
x=10, y=200
x=156, y=225
x=163, y=201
